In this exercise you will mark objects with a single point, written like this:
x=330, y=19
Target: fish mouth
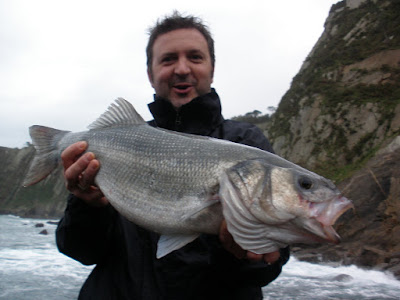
x=331, y=235
x=325, y=214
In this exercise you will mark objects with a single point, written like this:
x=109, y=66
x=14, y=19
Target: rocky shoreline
x=339, y=256
x=370, y=234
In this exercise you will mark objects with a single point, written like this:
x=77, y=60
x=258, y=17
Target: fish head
x=314, y=202
x=279, y=195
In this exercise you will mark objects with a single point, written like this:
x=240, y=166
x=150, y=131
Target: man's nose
x=182, y=67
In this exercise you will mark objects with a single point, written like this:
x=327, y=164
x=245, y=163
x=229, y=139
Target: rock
x=38, y=225
x=371, y=235
x=44, y=232
x=53, y=222
x=43, y=200
x=309, y=257
x=342, y=278
x=395, y=270
x=352, y=4
x=381, y=267
x=392, y=147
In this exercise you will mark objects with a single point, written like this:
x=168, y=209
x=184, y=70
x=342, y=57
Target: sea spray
x=32, y=268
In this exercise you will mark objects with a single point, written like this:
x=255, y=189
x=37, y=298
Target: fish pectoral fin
x=193, y=213
x=168, y=243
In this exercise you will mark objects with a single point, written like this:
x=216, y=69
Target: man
x=180, y=64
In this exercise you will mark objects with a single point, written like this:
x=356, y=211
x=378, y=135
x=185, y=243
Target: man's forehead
x=189, y=39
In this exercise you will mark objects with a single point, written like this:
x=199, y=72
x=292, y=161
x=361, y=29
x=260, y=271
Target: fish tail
x=47, y=155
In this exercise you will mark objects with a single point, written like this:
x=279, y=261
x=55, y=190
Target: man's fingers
x=269, y=258
x=224, y=235
x=229, y=243
x=79, y=166
x=253, y=256
x=72, y=153
x=80, y=171
x=87, y=177
x=94, y=197
x=75, y=176
x=272, y=257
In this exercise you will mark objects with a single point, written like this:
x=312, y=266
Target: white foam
x=32, y=268
x=301, y=280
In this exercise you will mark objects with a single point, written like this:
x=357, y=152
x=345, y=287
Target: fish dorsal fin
x=119, y=113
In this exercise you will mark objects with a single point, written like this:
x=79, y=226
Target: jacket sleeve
x=253, y=136
x=84, y=232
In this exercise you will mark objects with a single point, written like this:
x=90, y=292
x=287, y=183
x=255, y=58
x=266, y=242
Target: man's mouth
x=182, y=88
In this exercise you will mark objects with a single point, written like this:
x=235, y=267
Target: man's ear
x=150, y=76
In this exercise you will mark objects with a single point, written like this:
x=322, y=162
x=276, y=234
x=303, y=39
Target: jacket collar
x=200, y=116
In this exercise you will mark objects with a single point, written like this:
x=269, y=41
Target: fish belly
x=165, y=182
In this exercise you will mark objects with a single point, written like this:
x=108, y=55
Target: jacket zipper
x=178, y=121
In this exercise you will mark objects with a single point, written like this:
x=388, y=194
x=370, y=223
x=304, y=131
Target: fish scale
x=176, y=182
x=182, y=185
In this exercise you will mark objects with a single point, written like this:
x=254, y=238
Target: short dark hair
x=178, y=21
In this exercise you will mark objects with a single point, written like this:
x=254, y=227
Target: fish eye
x=305, y=183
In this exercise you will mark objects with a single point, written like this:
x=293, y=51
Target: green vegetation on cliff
x=340, y=76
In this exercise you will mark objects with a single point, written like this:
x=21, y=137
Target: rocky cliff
x=45, y=199
x=343, y=104
x=341, y=118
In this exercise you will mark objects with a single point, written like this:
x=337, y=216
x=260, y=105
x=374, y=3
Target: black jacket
x=124, y=254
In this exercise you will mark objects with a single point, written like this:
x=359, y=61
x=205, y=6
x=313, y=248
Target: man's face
x=181, y=68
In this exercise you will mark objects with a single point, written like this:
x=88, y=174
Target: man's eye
x=196, y=57
x=167, y=59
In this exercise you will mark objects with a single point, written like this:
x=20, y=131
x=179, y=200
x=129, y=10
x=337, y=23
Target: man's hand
x=231, y=246
x=79, y=173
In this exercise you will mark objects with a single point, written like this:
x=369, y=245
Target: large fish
x=182, y=185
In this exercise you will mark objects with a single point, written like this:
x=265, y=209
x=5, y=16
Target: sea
x=31, y=268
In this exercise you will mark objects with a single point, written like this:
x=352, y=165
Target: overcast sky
x=63, y=62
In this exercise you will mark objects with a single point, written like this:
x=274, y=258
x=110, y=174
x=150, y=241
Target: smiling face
x=181, y=69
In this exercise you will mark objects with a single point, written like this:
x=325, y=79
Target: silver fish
x=181, y=185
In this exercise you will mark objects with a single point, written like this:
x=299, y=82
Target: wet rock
x=342, y=278
x=44, y=232
x=52, y=222
x=370, y=235
x=395, y=270
x=38, y=225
